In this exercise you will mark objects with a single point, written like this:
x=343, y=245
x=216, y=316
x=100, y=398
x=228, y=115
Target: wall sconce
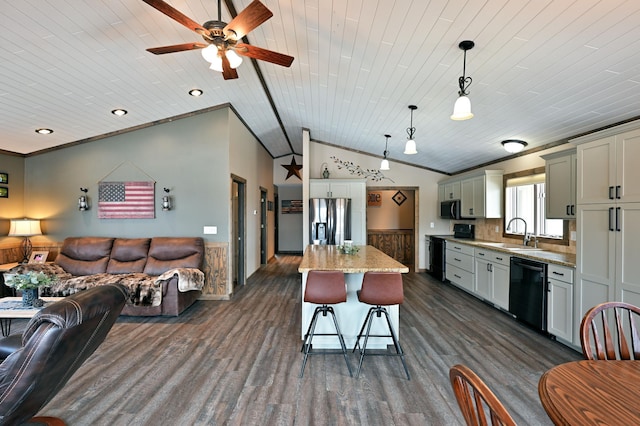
x=166, y=200
x=83, y=201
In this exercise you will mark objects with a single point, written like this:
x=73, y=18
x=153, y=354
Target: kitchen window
x=525, y=198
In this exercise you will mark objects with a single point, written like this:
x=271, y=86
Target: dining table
x=592, y=392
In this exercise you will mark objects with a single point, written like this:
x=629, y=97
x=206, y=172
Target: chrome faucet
x=526, y=238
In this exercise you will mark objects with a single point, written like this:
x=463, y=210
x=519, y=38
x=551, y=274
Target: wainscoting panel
x=216, y=272
x=397, y=243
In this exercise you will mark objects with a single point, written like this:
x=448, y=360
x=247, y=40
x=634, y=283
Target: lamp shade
x=24, y=227
x=514, y=145
x=384, y=164
x=234, y=59
x=410, y=147
x=462, y=109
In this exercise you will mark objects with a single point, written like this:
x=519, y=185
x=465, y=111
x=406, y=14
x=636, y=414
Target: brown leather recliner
x=55, y=343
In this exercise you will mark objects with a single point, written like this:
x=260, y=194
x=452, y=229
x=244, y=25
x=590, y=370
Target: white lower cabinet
x=459, y=265
x=560, y=302
x=492, y=277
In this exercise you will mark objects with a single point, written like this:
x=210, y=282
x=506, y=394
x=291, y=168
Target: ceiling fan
x=222, y=41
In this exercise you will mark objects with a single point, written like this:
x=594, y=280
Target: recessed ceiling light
x=119, y=112
x=44, y=131
x=196, y=92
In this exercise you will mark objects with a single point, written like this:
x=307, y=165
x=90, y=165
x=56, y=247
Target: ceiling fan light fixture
x=210, y=53
x=234, y=59
x=462, y=107
x=514, y=145
x=216, y=64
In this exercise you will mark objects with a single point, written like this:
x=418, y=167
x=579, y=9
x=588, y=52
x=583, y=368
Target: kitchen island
x=352, y=313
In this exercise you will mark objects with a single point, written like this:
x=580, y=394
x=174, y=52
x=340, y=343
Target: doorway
x=238, y=207
x=263, y=226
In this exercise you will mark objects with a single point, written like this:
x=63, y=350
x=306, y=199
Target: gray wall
x=289, y=225
x=190, y=156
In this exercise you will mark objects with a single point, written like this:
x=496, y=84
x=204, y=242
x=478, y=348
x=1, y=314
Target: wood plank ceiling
x=543, y=71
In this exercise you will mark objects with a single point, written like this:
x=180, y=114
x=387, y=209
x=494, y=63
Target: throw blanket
x=145, y=290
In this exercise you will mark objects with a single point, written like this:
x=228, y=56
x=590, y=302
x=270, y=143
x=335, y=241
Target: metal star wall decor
x=354, y=169
x=293, y=169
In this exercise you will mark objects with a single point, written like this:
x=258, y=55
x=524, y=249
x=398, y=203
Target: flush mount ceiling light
x=43, y=131
x=462, y=107
x=514, y=145
x=410, y=147
x=119, y=112
x=196, y=92
x=384, y=164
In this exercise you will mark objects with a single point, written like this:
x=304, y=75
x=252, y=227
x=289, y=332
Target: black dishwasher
x=528, y=292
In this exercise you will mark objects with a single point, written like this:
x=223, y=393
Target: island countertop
x=368, y=259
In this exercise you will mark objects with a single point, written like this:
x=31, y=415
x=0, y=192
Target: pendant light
x=462, y=107
x=384, y=164
x=410, y=147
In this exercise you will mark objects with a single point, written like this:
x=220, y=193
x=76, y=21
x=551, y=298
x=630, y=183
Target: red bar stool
x=324, y=288
x=380, y=289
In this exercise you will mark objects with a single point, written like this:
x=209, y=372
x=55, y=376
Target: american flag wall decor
x=126, y=200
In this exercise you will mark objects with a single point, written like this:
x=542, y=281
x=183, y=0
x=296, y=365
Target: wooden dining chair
x=477, y=403
x=600, y=342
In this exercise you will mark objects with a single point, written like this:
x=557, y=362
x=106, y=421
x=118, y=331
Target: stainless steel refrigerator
x=329, y=220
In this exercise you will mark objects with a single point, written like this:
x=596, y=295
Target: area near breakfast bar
x=352, y=313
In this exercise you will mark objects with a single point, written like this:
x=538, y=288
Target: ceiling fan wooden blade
x=264, y=54
x=176, y=48
x=178, y=16
x=247, y=20
x=227, y=72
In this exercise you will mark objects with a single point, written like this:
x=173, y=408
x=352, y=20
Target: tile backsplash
x=486, y=230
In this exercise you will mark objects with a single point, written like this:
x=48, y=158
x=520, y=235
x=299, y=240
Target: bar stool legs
x=308, y=337
x=377, y=311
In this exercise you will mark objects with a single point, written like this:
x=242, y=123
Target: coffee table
x=11, y=307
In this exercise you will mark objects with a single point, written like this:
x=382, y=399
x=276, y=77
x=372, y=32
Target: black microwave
x=450, y=209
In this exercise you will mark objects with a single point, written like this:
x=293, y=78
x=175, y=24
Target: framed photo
x=4, y=192
x=38, y=256
x=4, y=177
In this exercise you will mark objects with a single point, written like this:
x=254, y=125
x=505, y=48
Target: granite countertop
x=541, y=255
x=368, y=259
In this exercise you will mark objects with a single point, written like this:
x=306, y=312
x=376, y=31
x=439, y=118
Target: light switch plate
x=210, y=230
x=573, y=235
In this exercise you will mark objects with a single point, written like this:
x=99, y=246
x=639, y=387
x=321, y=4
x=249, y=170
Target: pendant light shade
x=410, y=147
x=462, y=107
x=384, y=164
x=513, y=145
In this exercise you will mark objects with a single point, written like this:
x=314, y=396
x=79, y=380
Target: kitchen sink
x=510, y=246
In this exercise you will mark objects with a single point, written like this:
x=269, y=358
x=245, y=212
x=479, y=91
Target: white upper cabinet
x=449, y=191
x=481, y=196
x=608, y=171
x=560, y=184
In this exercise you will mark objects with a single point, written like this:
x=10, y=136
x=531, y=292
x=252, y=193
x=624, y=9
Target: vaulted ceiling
x=542, y=71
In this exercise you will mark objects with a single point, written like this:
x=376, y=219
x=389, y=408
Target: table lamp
x=25, y=228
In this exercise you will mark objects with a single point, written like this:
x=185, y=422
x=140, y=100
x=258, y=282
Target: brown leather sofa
x=144, y=265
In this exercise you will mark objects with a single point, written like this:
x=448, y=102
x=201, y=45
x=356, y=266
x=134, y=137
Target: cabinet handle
x=480, y=254
x=457, y=260
x=611, y=219
x=618, y=219
x=573, y=210
x=611, y=192
x=490, y=267
x=558, y=273
x=499, y=258
x=568, y=210
x=618, y=192
x=457, y=276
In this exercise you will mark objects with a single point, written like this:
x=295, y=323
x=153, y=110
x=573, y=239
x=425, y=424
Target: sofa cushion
x=85, y=255
x=128, y=255
x=167, y=253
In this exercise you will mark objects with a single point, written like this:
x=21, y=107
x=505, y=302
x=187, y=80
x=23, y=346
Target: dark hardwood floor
x=237, y=363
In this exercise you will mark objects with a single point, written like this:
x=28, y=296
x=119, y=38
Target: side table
x=10, y=307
